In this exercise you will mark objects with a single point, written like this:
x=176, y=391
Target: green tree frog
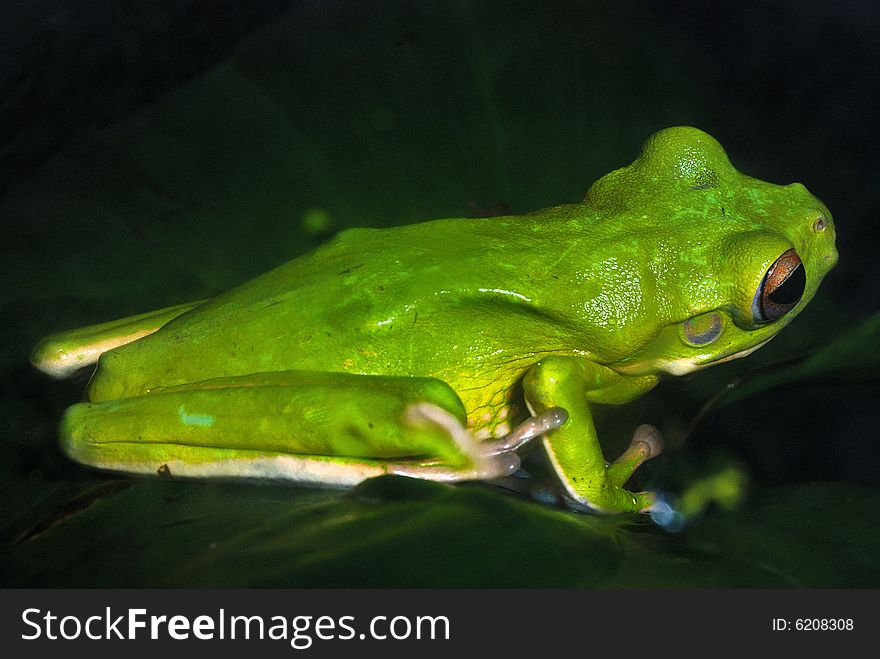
x=437, y=350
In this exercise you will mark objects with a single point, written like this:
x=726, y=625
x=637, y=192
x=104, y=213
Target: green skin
x=416, y=349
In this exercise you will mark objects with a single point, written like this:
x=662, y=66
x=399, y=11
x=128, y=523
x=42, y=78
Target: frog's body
x=466, y=322
x=469, y=302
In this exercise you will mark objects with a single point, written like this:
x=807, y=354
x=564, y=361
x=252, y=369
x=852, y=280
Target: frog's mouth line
x=741, y=353
x=686, y=365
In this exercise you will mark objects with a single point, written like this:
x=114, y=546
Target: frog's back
x=370, y=301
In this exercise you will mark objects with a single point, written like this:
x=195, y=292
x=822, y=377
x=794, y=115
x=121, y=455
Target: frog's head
x=738, y=258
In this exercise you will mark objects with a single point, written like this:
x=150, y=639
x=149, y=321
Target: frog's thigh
x=315, y=428
x=574, y=449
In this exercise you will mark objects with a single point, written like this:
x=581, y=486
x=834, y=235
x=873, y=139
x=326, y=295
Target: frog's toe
x=646, y=443
x=612, y=500
x=532, y=427
x=648, y=440
x=665, y=512
x=480, y=465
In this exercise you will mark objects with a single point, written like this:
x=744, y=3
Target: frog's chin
x=685, y=365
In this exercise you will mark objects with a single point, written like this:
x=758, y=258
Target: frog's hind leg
x=63, y=354
x=330, y=429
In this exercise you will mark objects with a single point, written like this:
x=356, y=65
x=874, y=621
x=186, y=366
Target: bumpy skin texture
x=655, y=272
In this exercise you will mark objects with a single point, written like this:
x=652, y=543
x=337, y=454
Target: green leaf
x=398, y=532
x=851, y=359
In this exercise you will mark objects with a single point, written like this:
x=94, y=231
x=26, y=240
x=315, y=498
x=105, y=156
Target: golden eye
x=781, y=288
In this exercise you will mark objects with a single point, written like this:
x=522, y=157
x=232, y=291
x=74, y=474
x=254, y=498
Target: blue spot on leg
x=204, y=420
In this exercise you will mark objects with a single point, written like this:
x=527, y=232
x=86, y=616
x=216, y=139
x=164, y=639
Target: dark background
x=157, y=152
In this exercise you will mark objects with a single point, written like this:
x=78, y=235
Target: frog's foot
x=486, y=460
x=666, y=513
x=646, y=443
x=480, y=465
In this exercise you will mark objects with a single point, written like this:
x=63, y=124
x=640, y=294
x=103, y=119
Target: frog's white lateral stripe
x=574, y=496
x=742, y=353
x=557, y=468
x=310, y=472
x=305, y=470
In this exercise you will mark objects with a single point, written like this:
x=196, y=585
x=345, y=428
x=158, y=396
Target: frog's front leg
x=330, y=429
x=572, y=383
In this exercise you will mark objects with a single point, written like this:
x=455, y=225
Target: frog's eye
x=781, y=288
